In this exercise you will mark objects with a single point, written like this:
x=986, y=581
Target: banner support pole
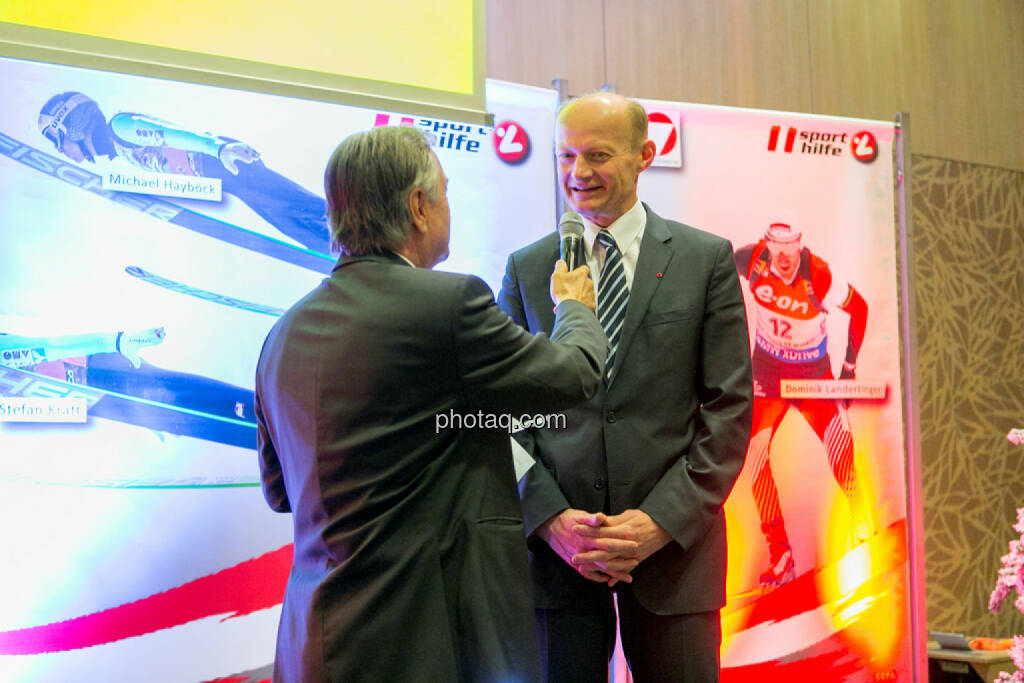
x=561, y=87
x=911, y=408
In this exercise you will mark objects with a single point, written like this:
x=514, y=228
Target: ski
x=195, y=482
x=134, y=410
x=164, y=210
x=204, y=294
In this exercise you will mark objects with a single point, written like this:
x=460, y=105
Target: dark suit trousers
x=576, y=641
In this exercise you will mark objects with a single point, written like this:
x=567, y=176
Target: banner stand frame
x=561, y=86
x=911, y=409
x=908, y=350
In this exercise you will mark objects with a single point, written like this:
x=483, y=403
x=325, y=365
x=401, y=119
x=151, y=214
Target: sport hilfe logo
x=863, y=146
x=511, y=143
x=459, y=137
x=773, y=139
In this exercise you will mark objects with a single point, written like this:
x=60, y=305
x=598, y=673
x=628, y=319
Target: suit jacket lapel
x=545, y=309
x=655, y=254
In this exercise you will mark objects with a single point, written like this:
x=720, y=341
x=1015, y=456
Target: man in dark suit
x=410, y=559
x=652, y=457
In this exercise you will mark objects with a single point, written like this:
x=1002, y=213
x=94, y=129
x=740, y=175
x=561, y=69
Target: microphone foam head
x=570, y=224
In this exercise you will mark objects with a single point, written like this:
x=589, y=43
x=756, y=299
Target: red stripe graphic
x=835, y=665
x=773, y=138
x=790, y=137
x=245, y=588
x=385, y=120
x=803, y=594
x=839, y=446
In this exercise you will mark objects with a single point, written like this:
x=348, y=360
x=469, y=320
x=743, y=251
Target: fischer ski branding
x=204, y=294
x=164, y=210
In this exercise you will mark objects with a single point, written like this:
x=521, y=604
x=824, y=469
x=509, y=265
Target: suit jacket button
x=610, y=417
x=599, y=483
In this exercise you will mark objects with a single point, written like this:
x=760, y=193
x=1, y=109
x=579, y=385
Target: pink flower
x=1011, y=579
x=999, y=593
x=1017, y=652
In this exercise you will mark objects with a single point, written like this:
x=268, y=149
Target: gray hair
x=367, y=184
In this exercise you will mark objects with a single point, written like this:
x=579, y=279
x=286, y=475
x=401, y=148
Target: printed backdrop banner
x=140, y=278
x=141, y=274
x=818, y=568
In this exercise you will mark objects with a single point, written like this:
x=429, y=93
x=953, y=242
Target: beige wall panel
x=918, y=84
x=1003, y=123
x=956, y=65
x=856, y=58
x=968, y=246
x=536, y=41
x=940, y=94
x=965, y=79
x=744, y=53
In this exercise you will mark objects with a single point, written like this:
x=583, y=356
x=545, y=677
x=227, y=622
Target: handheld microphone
x=570, y=247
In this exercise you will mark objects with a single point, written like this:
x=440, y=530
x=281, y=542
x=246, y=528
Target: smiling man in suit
x=652, y=457
x=410, y=558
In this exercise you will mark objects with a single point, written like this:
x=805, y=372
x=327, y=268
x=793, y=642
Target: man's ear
x=647, y=153
x=417, y=203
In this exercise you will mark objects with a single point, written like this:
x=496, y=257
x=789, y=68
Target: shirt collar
x=624, y=230
x=402, y=256
x=384, y=256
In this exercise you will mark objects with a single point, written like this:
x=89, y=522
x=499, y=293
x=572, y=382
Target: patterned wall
x=969, y=269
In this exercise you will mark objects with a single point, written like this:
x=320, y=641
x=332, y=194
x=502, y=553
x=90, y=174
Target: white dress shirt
x=628, y=231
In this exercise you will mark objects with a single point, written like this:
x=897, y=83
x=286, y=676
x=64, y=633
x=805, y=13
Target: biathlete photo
x=794, y=293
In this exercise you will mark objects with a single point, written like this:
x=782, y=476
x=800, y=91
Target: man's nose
x=580, y=167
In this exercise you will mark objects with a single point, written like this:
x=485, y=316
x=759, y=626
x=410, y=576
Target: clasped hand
x=604, y=548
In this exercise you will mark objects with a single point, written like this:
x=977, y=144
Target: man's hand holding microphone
x=571, y=279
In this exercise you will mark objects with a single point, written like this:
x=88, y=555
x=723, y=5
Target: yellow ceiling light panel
x=385, y=45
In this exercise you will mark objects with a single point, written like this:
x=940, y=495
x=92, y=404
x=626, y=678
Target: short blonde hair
x=635, y=114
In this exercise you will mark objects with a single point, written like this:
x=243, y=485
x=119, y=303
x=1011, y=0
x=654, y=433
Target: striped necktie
x=612, y=296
